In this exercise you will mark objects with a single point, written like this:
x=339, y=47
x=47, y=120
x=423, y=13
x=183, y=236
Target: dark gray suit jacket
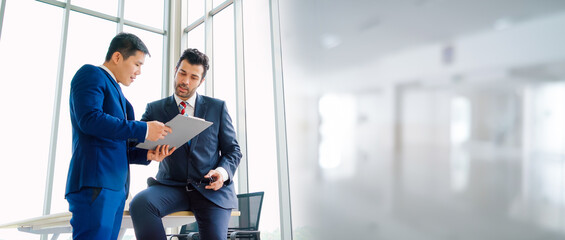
x=214, y=147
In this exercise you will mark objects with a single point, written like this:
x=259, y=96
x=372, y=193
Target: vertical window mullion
x=56, y=113
x=280, y=123
x=209, y=49
x=240, y=96
x=120, y=27
x=2, y=8
x=170, y=50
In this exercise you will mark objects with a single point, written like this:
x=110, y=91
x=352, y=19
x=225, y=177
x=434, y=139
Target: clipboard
x=184, y=128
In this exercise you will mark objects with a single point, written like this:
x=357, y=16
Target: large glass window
x=224, y=59
x=109, y=7
x=28, y=69
x=88, y=45
x=195, y=10
x=261, y=142
x=30, y=56
x=147, y=12
x=195, y=38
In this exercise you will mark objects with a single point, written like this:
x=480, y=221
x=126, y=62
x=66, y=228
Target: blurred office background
x=364, y=119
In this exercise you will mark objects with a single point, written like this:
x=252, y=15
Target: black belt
x=191, y=184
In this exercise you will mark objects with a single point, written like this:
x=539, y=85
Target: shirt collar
x=191, y=101
x=110, y=72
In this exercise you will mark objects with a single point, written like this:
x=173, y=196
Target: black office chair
x=246, y=226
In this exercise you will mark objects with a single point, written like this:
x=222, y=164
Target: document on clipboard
x=184, y=128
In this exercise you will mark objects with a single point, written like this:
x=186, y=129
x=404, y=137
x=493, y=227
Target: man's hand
x=157, y=130
x=160, y=153
x=218, y=180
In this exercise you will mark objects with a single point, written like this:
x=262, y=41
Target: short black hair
x=195, y=57
x=127, y=44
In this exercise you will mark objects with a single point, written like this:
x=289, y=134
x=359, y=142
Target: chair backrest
x=249, y=204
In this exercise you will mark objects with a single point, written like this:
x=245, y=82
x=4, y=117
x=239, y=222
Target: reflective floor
x=445, y=163
x=429, y=193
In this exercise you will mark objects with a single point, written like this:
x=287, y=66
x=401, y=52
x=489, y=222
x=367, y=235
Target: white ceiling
x=323, y=33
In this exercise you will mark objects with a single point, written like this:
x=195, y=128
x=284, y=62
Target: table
x=60, y=223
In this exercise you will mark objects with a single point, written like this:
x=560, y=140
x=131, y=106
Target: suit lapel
x=200, y=112
x=171, y=111
x=117, y=87
x=171, y=108
x=200, y=108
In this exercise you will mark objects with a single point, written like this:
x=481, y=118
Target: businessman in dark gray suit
x=198, y=176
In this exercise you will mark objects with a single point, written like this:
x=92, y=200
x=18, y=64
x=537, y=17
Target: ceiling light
x=330, y=41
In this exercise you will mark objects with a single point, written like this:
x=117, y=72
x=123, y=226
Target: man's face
x=128, y=69
x=188, y=78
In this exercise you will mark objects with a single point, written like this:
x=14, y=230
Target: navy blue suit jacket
x=103, y=126
x=214, y=147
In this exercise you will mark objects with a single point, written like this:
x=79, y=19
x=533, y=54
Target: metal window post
x=2, y=9
x=120, y=27
x=171, y=43
x=208, y=46
x=280, y=123
x=56, y=114
x=243, y=185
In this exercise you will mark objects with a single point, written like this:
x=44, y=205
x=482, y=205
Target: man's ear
x=116, y=56
x=201, y=81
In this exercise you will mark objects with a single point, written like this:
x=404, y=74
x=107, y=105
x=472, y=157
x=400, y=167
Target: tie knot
x=183, y=104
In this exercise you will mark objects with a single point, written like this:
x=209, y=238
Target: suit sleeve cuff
x=223, y=172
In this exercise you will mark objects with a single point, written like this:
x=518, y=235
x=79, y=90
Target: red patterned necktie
x=183, y=107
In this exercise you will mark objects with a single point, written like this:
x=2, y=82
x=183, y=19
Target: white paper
x=184, y=128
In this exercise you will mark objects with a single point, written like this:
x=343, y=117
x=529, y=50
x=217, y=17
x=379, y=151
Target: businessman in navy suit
x=103, y=133
x=198, y=176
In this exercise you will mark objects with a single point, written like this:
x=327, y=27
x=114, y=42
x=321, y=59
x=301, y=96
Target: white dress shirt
x=189, y=110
